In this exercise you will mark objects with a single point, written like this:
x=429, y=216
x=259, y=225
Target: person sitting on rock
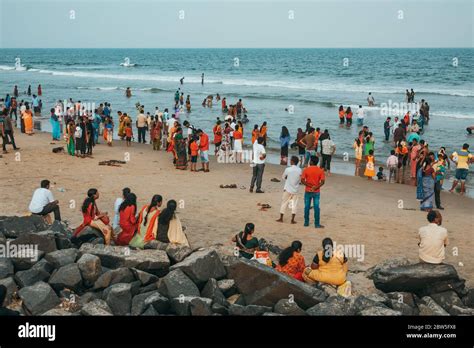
x=170, y=229
x=433, y=239
x=3, y=310
x=329, y=266
x=245, y=243
x=43, y=203
x=291, y=262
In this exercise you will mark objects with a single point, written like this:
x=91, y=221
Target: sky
x=236, y=23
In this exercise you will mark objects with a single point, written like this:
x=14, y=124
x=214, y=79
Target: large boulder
x=177, y=253
x=333, y=306
x=288, y=307
x=379, y=311
x=211, y=290
x=190, y=305
x=152, y=261
x=201, y=266
x=119, y=298
x=363, y=302
x=96, y=308
x=250, y=310
x=263, y=285
x=177, y=284
x=31, y=276
x=10, y=285
x=447, y=300
x=416, y=278
x=145, y=278
x=6, y=267
x=428, y=307
x=63, y=257
x=67, y=277
x=227, y=286
x=3, y=239
x=468, y=299
x=58, y=312
x=90, y=268
x=143, y=301
x=44, y=240
x=15, y=226
x=114, y=276
x=26, y=259
x=38, y=298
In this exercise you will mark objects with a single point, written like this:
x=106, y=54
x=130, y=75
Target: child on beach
x=369, y=167
x=392, y=163
x=128, y=134
x=194, y=153
x=109, y=126
x=380, y=175
x=78, y=142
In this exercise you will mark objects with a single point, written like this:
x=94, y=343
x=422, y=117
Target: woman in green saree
x=181, y=150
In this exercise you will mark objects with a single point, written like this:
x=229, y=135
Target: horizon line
x=246, y=48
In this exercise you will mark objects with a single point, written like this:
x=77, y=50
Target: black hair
x=44, y=183
x=314, y=160
x=168, y=213
x=130, y=200
x=249, y=228
x=327, y=249
x=126, y=191
x=89, y=200
x=260, y=140
x=154, y=202
x=392, y=152
x=287, y=253
x=284, y=132
x=432, y=215
x=295, y=160
x=371, y=152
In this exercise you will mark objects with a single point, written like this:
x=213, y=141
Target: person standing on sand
x=217, y=131
x=258, y=164
x=433, y=239
x=7, y=130
x=415, y=149
x=204, y=149
x=27, y=118
x=392, y=163
x=440, y=172
x=386, y=128
x=263, y=133
x=55, y=126
x=370, y=166
x=309, y=142
x=292, y=177
x=313, y=178
x=255, y=134
x=70, y=138
x=141, y=127
x=284, y=144
x=301, y=149
x=399, y=133
x=462, y=159
x=328, y=148
x=358, y=150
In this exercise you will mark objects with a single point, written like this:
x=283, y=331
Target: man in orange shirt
x=313, y=178
x=204, y=149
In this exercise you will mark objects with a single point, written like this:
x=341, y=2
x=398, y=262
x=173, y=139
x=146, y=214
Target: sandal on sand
x=275, y=180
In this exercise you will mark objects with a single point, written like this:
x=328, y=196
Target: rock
x=115, y=276
x=413, y=278
x=148, y=288
x=190, y=305
x=250, y=310
x=177, y=253
x=379, y=311
x=30, y=277
x=15, y=226
x=156, y=245
x=402, y=297
x=219, y=309
x=11, y=286
x=63, y=242
x=96, y=308
x=402, y=308
x=428, y=306
x=144, y=277
x=38, y=298
x=150, y=312
x=67, y=277
x=263, y=285
x=135, y=287
x=447, y=300
x=119, y=298
x=271, y=314
x=387, y=264
x=201, y=266
x=333, y=306
x=90, y=268
x=381, y=298
x=154, y=298
x=152, y=261
x=329, y=289
x=177, y=283
x=24, y=263
x=445, y=285
x=61, y=258
x=212, y=291
x=44, y=241
x=288, y=307
x=6, y=267
x=44, y=266
x=60, y=227
x=362, y=302
x=3, y=239
x=456, y=310
x=468, y=299
x=227, y=286
x=58, y=312
x=88, y=297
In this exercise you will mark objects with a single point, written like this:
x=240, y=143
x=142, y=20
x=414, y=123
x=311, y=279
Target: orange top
x=341, y=114
x=194, y=148
x=238, y=135
x=255, y=135
x=128, y=132
x=263, y=131
x=217, y=130
x=295, y=265
x=313, y=176
x=204, y=142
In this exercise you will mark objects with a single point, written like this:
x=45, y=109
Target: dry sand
x=353, y=210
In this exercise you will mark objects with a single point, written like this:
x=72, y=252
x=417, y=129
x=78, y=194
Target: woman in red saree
x=147, y=225
x=291, y=262
x=128, y=221
x=94, y=218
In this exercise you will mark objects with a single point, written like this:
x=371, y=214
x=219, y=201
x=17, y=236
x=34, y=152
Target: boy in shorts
x=128, y=134
x=194, y=147
x=462, y=159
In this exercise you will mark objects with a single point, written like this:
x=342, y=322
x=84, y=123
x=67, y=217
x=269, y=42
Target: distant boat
x=126, y=63
x=18, y=65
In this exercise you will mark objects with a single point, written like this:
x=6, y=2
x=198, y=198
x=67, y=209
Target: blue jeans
x=308, y=196
x=308, y=155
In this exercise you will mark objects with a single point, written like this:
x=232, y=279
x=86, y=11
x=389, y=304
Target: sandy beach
x=353, y=210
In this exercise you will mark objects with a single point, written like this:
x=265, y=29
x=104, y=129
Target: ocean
x=311, y=83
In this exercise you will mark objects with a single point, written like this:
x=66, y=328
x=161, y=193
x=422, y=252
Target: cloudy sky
x=235, y=23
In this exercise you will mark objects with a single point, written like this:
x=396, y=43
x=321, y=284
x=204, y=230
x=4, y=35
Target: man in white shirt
x=433, y=239
x=328, y=148
x=292, y=177
x=360, y=116
x=117, y=204
x=42, y=203
x=258, y=164
x=141, y=126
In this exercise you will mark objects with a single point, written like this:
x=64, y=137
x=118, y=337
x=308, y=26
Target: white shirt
x=432, y=240
x=392, y=161
x=40, y=198
x=258, y=150
x=170, y=124
x=327, y=146
x=232, y=125
x=360, y=113
x=117, y=204
x=292, y=175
